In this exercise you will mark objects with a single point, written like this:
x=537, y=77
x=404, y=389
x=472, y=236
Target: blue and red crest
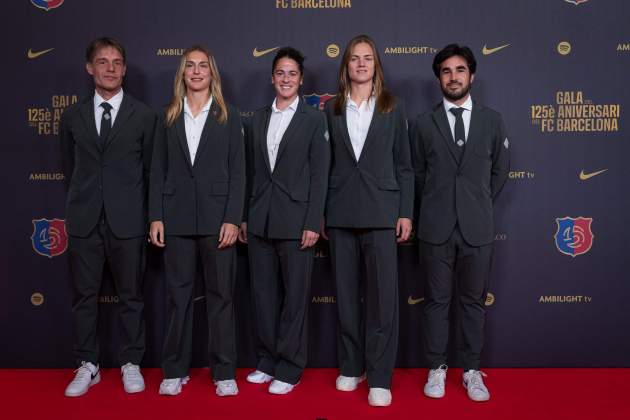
x=574, y=236
x=576, y=2
x=318, y=101
x=49, y=237
x=47, y=4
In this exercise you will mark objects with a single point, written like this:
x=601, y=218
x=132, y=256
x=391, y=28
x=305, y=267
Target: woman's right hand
x=156, y=233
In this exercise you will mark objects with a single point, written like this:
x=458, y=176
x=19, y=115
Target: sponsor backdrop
x=556, y=69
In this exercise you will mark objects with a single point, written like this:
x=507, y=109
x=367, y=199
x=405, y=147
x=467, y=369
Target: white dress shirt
x=278, y=124
x=114, y=101
x=465, y=115
x=358, y=118
x=194, y=126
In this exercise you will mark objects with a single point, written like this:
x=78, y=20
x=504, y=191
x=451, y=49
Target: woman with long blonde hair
x=368, y=210
x=197, y=191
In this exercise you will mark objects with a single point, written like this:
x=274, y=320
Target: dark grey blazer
x=449, y=191
x=114, y=177
x=378, y=189
x=197, y=199
x=283, y=203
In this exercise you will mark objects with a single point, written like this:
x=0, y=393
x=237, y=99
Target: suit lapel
x=373, y=130
x=345, y=135
x=125, y=111
x=439, y=116
x=180, y=129
x=87, y=114
x=473, y=132
x=297, y=119
x=263, y=126
x=208, y=128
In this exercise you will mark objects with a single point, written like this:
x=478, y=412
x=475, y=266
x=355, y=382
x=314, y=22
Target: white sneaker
x=258, y=377
x=132, y=378
x=86, y=375
x=280, y=388
x=434, y=388
x=379, y=397
x=348, y=383
x=473, y=382
x=173, y=386
x=226, y=388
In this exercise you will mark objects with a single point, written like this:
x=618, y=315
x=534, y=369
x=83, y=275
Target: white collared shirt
x=278, y=123
x=114, y=101
x=358, y=118
x=194, y=126
x=465, y=115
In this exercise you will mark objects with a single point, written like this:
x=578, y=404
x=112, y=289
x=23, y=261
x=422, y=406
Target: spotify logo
x=332, y=50
x=564, y=48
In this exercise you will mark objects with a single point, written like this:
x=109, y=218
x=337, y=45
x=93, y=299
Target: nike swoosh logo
x=32, y=54
x=413, y=301
x=488, y=51
x=584, y=176
x=257, y=53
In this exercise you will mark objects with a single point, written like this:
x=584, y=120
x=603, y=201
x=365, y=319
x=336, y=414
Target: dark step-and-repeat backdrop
x=558, y=70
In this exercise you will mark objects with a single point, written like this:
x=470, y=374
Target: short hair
x=452, y=50
x=293, y=54
x=104, y=42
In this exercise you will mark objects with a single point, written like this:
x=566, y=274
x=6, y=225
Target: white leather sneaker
x=379, y=397
x=434, y=388
x=226, y=388
x=348, y=383
x=173, y=386
x=259, y=377
x=86, y=375
x=280, y=388
x=132, y=378
x=476, y=389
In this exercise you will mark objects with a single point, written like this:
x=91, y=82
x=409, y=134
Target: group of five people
x=295, y=173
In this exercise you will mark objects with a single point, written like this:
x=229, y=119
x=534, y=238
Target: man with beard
x=461, y=160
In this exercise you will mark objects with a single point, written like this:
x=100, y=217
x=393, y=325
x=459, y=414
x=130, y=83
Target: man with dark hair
x=461, y=159
x=106, y=143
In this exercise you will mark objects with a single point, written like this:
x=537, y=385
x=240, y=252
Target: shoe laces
x=131, y=371
x=227, y=385
x=170, y=383
x=437, y=375
x=475, y=380
x=83, y=372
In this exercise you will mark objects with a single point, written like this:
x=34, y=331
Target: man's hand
x=309, y=238
x=156, y=234
x=403, y=229
x=242, y=235
x=227, y=235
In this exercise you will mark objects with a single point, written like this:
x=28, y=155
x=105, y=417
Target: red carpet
x=516, y=394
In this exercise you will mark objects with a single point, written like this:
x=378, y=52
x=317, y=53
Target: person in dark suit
x=196, y=200
x=369, y=208
x=106, y=143
x=461, y=163
x=288, y=161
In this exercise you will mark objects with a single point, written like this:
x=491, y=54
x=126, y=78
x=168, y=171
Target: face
x=361, y=64
x=108, y=69
x=455, y=78
x=197, y=75
x=286, y=78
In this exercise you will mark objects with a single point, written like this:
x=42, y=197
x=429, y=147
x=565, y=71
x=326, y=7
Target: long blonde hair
x=384, y=99
x=179, y=87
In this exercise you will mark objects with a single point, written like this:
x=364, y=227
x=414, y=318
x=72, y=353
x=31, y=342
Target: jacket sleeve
x=319, y=164
x=500, y=159
x=419, y=165
x=236, y=166
x=249, y=166
x=402, y=159
x=150, y=124
x=158, y=170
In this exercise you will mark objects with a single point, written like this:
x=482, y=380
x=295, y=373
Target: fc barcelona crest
x=318, y=101
x=574, y=236
x=576, y=2
x=49, y=237
x=47, y=4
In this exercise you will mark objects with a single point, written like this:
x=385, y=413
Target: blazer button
x=100, y=187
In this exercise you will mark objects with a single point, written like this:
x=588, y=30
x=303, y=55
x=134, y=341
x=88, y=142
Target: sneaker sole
x=134, y=391
x=475, y=399
x=437, y=397
x=343, y=389
x=93, y=382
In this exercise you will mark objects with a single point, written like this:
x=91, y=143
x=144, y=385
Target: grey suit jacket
x=283, y=203
x=449, y=191
x=113, y=177
x=196, y=199
x=376, y=190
